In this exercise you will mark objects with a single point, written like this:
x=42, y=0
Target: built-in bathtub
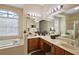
x=10, y=43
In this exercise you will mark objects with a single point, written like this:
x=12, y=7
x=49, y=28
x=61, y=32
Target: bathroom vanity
x=51, y=46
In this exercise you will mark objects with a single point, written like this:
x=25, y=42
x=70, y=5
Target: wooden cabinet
x=33, y=44
x=45, y=46
x=58, y=51
x=53, y=50
x=49, y=47
x=41, y=44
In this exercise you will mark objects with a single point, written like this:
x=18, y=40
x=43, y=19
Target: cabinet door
x=33, y=44
x=30, y=45
x=41, y=44
x=53, y=49
x=59, y=51
x=68, y=53
x=45, y=46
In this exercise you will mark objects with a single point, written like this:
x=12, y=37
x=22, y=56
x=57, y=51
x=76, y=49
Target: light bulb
x=52, y=11
x=59, y=7
x=55, y=9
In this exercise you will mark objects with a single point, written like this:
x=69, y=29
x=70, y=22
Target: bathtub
x=9, y=43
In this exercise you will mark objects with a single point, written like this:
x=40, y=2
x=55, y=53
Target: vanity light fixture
x=52, y=11
x=57, y=8
x=61, y=6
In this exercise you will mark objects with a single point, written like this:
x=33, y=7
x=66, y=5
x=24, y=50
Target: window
x=9, y=23
x=8, y=14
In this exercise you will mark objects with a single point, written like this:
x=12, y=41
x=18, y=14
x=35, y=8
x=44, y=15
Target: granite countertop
x=59, y=43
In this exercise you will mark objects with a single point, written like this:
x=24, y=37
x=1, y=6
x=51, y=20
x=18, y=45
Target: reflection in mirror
x=55, y=26
x=32, y=26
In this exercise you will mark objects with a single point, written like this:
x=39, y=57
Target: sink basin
x=68, y=41
x=68, y=37
x=67, y=45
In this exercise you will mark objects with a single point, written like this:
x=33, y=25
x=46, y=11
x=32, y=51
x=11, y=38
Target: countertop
x=59, y=42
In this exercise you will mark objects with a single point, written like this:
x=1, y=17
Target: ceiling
x=72, y=11
x=45, y=7
x=16, y=5
x=21, y=5
x=43, y=10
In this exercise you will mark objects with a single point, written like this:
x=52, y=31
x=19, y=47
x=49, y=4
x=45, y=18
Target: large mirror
x=32, y=26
